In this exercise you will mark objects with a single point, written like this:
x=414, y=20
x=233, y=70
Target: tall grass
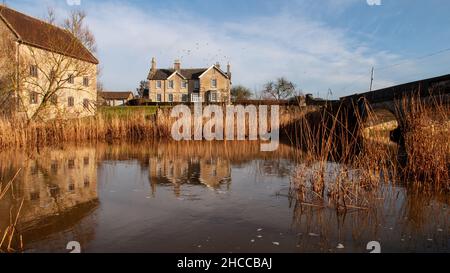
x=133, y=125
x=342, y=169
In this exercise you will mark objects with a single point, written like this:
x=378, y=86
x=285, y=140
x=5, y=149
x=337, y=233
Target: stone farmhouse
x=178, y=85
x=51, y=73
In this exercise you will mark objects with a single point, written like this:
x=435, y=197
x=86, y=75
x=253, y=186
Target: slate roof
x=40, y=34
x=163, y=74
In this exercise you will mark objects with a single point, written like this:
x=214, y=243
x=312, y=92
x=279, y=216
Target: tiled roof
x=43, y=35
x=115, y=95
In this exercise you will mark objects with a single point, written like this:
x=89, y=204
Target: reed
x=136, y=125
x=9, y=236
x=344, y=169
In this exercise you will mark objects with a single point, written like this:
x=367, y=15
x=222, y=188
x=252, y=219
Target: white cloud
x=310, y=53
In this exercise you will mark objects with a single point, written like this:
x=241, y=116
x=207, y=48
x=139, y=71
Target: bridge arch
x=380, y=121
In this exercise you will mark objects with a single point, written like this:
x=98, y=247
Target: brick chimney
x=229, y=71
x=177, y=65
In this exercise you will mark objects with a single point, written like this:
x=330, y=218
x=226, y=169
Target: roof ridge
x=33, y=18
x=51, y=27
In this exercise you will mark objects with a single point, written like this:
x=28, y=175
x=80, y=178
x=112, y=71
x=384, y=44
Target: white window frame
x=171, y=84
x=211, y=95
x=158, y=84
x=170, y=97
x=158, y=98
x=195, y=97
x=214, y=83
x=184, y=84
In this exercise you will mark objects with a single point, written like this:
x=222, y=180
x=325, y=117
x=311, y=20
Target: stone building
x=178, y=85
x=49, y=71
x=115, y=98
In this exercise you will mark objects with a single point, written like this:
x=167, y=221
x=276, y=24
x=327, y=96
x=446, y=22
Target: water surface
x=198, y=197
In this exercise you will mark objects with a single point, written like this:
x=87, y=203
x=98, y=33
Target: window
x=185, y=97
x=71, y=79
x=196, y=85
x=195, y=98
x=158, y=97
x=170, y=84
x=54, y=167
x=86, y=182
x=72, y=187
x=34, y=71
x=52, y=75
x=33, y=98
x=34, y=196
x=54, y=99
x=71, y=163
x=213, y=96
x=184, y=84
x=86, y=103
x=158, y=84
x=71, y=102
x=170, y=97
x=213, y=83
x=86, y=81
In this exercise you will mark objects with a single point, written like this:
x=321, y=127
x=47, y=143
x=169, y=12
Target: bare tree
x=42, y=82
x=75, y=24
x=279, y=90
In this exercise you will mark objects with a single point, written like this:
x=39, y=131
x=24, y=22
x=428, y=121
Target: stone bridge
x=394, y=101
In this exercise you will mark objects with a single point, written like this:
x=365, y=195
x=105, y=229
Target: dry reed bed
x=342, y=170
x=16, y=133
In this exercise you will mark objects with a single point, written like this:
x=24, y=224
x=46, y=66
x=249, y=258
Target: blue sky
x=318, y=44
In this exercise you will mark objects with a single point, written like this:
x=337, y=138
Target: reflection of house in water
x=59, y=188
x=212, y=172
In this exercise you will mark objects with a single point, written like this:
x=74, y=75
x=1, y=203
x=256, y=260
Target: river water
x=197, y=197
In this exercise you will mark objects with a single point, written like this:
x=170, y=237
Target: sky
x=326, y=47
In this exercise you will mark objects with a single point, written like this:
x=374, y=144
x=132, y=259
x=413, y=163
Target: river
x=198, y=197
